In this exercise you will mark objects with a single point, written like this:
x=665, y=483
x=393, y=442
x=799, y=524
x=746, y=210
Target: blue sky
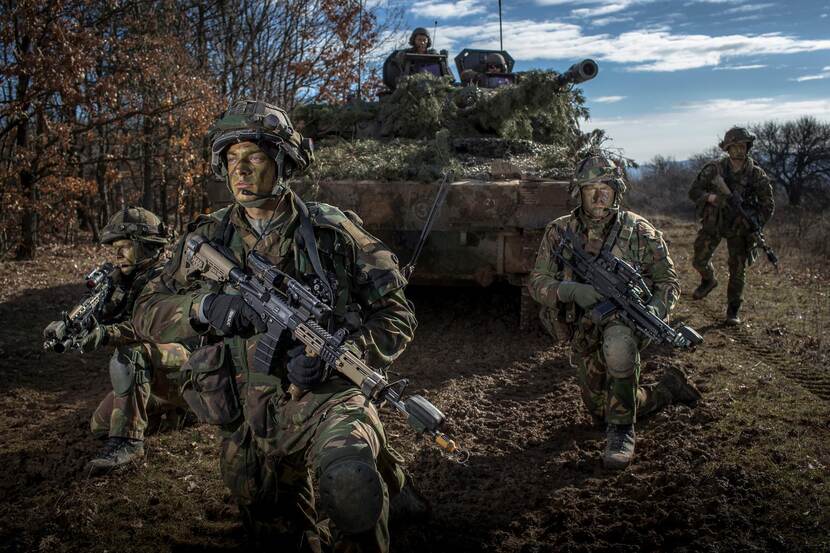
x=673, y=75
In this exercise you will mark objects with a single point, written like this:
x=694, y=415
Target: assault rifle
x=285, y=304
x=626, y=293
x=81, y=319
x=736, y=204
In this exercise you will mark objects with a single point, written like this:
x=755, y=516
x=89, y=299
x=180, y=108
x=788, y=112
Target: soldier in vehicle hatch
x=735, y=173
x=607, y=355
x=418, y=58
x=273, y=439
x=138, y=369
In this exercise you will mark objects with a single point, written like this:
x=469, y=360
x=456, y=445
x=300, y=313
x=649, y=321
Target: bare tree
x=796, y=155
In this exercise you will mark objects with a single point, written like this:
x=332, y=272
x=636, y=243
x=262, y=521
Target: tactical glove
x=657, y=308
x=304, y=371
x=583, y=294
x=96, y=338
x=231, y=316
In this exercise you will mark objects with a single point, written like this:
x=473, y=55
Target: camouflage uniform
x=718, y=221
x=271, y=441
x=610, y=390
x=139, y=370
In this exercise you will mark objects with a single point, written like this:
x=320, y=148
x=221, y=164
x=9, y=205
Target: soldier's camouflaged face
x=250, y=168
x=126, y=255
x=421, y=43
x=737, y=151
x=597, y=199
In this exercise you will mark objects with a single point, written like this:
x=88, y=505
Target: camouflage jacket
x=118, y=310
x=370, y=302
x=638, y=242
x=751, y=183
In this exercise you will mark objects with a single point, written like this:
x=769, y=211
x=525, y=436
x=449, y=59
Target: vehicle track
x=810, y=376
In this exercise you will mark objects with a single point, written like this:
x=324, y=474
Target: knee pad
x=619, y=347
x=352, y=494
x=127, y=369
x=122, y=373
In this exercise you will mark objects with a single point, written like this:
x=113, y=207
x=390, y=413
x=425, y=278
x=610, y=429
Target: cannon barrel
x=579, y=72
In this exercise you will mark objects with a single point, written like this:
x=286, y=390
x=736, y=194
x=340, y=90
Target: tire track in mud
x=804, y=373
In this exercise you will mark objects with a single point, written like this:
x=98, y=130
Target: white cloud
x=643, y=50
x=825, y=74
x=602, y=10
x=693, y=128
x=447, y=10
x=739, y=67
x=746, y=8
x=609, y=99
x=603, y=21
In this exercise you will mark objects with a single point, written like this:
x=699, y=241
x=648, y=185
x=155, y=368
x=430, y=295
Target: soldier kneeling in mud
x=607, y=355
x=138, y=370
x=272, y=439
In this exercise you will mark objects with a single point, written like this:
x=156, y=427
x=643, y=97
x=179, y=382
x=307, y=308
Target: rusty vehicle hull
x=487, y=231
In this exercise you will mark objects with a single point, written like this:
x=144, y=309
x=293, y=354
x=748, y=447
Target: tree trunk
x=147, y=192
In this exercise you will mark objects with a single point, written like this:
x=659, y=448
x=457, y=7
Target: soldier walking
x=607, y=355
x=138, y=369
x=273, y=440
x=735, y=173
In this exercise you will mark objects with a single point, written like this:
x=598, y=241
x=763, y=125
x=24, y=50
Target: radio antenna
x=501, y=37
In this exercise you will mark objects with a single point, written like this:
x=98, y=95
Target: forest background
x=106, y=102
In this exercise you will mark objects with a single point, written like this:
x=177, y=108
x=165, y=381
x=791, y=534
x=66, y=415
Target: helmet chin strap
x=261, y=199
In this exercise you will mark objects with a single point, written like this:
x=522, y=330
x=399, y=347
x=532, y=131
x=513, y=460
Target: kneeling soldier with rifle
x=606, y=284
x=138, y=370
x=270, y=373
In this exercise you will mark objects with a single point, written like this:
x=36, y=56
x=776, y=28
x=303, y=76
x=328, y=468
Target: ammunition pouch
x=209, y=387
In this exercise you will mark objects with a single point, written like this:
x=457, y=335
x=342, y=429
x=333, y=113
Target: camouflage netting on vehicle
x=428, y=126
x=426, y=160
x=535, y=109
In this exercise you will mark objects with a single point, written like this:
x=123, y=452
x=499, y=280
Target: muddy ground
x=747, y=470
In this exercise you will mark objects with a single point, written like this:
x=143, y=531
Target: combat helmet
x=737, y=135
x=420, y=31
x=266, y=125
x=599, y=168
x=137, y=224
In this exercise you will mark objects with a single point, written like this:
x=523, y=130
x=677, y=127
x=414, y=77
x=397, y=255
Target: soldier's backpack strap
x=616, y=231
x=224, y=230
x=306, y=232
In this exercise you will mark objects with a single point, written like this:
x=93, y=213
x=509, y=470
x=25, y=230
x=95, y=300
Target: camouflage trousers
x=607, y=363
x=270, y=458
x=740, y=248
x=141, y=389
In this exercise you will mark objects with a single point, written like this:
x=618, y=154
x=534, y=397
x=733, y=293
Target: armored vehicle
x=505, y=149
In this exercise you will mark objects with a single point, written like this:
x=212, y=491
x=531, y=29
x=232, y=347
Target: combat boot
x=732, y=317
x=619, y=448
x=681, y=390
x=409, y=505
x=706, y=286
x=117, y=452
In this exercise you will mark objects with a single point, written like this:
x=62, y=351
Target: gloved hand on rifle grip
x=304, y=371
x=231, y=316
x=583, y=294
x=96, y=338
